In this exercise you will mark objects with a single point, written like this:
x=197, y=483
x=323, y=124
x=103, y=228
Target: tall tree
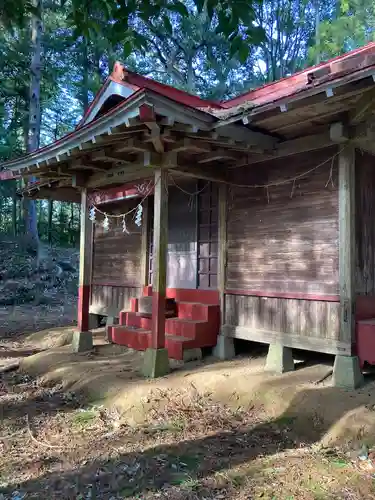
x=34, y=110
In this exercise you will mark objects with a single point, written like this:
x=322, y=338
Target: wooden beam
x=363, y=108
x=79, y=164
x=347, y=243
x=160, y=247
x=295, y=146
x=243, y=134
x=190, y=144
x=108, y=156
x=217, y=155
x=155, y=137
x=199, y=173
x=133, y=145
x=145, y=243
x=222, y=263
x=339, y=133
x=85, y=265
x=79, y=179
x=126, y=172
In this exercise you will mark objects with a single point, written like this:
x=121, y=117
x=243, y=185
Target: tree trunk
x=14, y=209
x=85, y=75
x=317, y=31
x=190, y=83
x=50, y=214
x=34, y=111
x=71, y=224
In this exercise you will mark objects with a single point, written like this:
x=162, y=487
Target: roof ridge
x=122, y=74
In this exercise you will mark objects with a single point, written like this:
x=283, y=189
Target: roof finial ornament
x=119, y=71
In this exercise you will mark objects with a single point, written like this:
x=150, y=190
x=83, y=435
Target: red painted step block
x=366, y=341
x=137, y=339
x=177, y=345
x=138, y=320
x=198, y=311
x=134, y=304
x=185, y=328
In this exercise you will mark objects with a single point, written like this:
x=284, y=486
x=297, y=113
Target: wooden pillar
x=347, y=243
x=156, y=362
x=224, y=348
x=85, y=265
x=223, y=202
x=145, y=244
x=346, y=370
x=159, y=258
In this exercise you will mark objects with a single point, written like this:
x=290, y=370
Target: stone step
x=198, y=311
x=140, y=340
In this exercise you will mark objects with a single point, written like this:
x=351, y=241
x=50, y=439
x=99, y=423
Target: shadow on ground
x=195, y=461
x=270, y=415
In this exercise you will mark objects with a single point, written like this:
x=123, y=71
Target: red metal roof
x=274, y=91
x=298, y=81
x=123, y=76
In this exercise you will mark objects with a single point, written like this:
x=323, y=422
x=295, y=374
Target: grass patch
x=84, y=418
x=340, y=463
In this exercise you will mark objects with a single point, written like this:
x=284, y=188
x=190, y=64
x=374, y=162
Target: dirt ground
x=85, y=426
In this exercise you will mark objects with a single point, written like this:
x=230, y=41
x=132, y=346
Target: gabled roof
x=250, y=123
x=124, y=83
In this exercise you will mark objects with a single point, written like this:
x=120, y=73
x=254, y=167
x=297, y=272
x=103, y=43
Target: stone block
x=155, y=363
x=224, y=348
x=82, y=341
x=279, y=359
x=347, y=372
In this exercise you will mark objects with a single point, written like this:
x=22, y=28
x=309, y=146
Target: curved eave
x=126, y=113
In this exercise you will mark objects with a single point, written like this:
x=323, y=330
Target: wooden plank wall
x=304, y=324
x=285, y=238
x=365, y=224
x=116, y=271
x=282, y=263
x=104, y=298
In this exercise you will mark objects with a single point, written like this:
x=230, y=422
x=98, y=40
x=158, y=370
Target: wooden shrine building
x=208, y=221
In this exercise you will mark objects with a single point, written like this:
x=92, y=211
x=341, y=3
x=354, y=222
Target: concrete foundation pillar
x=82, y=341
x=347, y=372
x=93, y=321
x=279, y=359
x=155, y=363
x=111, y=320
x=224, y=348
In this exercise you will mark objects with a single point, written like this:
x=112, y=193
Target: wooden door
x=207, y=235
x=182, y=237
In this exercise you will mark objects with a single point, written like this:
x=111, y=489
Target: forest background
x=55, y=55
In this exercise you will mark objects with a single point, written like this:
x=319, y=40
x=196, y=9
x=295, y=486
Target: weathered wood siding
x=192, y=235
x=105, y=298
x=304, y=324
x=182, y=236
x=117, y=255
x=365, y=224
x=116, y=269
x=208, y=224
x=285, y=238
x=282, y=279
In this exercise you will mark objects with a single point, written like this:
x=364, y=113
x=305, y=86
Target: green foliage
x=349, y=25
x=213, y=48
